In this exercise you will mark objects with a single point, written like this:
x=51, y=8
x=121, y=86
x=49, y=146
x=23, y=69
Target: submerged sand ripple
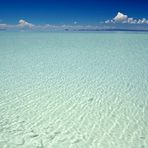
x=73, y=90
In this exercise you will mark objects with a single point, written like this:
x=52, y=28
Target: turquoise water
x=73, y=90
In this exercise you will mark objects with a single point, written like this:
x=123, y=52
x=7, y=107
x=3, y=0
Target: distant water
x=73, y=90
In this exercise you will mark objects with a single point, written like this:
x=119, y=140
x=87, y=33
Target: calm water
x=73, y=90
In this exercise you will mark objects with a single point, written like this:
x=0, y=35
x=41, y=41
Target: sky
x=73, y=12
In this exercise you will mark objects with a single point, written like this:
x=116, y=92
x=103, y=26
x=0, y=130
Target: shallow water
x=73, y=90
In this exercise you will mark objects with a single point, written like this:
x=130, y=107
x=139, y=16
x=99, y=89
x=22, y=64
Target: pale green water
x=73, y=90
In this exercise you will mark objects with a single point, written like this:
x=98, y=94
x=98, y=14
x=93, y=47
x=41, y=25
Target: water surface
x=73, y=90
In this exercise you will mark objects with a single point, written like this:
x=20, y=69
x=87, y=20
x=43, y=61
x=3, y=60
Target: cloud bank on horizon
x=120, y=21
x=122, y=18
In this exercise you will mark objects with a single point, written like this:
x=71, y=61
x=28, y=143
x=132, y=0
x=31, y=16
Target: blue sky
x=93, y=14
x=68, y=11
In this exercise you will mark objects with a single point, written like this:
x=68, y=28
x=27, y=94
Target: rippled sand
x=73, y=90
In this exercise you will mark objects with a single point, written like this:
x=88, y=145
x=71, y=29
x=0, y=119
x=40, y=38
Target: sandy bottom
x=55, y=93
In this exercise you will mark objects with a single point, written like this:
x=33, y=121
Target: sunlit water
x=73, y=90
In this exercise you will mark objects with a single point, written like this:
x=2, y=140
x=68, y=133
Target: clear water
x=73, y=90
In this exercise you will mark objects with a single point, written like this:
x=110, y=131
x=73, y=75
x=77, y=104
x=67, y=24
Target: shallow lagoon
x=74, y=90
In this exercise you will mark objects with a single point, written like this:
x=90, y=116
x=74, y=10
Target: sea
x=74, y=89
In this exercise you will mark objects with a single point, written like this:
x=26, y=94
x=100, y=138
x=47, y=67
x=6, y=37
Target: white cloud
x=75, y=22
x=131, y=21
x=107, y=21
x=23, y=23
x=142, y=21
x=118, y=22
x=122, y=18
x=48, y=27
x=3, y=25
